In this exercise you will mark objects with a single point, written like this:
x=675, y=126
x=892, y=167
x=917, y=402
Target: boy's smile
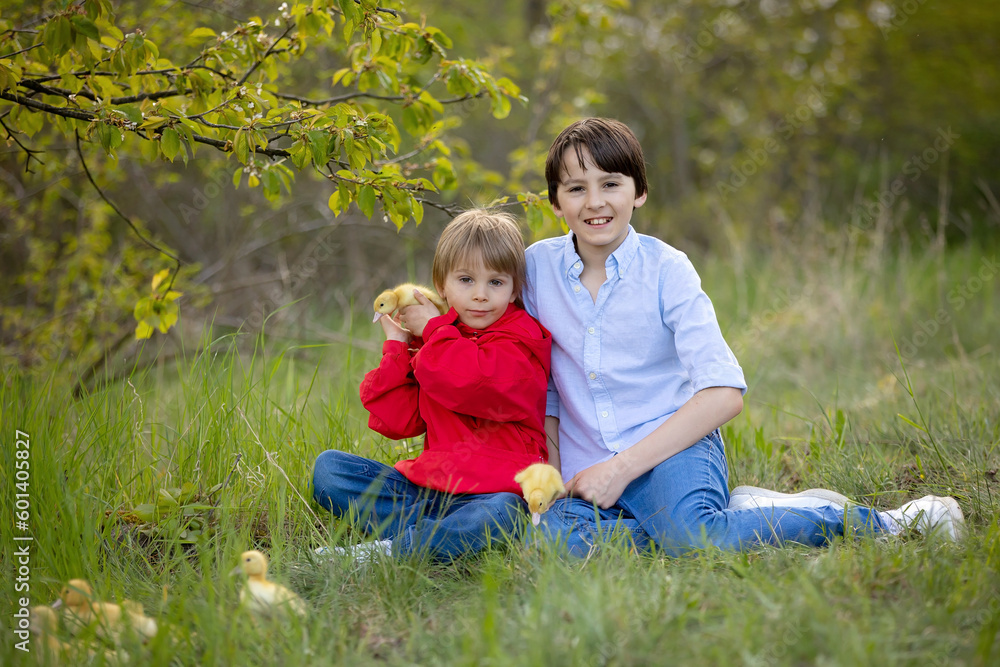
x=596, y=205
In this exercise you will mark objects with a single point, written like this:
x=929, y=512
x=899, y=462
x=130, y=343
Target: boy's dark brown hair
x=612, y=145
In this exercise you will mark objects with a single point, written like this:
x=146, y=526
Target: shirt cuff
x=718, y=375
x=394, y=347
x=552, y=404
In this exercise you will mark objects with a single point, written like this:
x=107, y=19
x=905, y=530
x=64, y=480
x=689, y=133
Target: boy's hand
x=415, y=318
x=602, y=484
x=393, y=331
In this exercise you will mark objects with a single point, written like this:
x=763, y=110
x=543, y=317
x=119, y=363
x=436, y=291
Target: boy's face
x=596, y=205
x=479, y=295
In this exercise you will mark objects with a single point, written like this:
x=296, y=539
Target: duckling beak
x=535, y=518
x=377, y=317
x=58, y=603
x=236, y=570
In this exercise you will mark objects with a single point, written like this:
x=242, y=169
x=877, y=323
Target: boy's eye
x=496, y=282
x=611, y=184
x=465, y=279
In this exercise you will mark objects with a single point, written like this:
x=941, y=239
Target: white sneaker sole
x=743, y=497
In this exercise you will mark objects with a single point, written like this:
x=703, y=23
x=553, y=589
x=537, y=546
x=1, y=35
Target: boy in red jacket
x=475, y=386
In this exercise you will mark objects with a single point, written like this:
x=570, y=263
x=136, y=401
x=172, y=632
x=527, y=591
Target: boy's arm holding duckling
x=389, y=392
x=494, y=368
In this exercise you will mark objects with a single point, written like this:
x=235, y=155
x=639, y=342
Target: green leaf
x=501, y=106
x=159, y=278
x=168, y=317
x=241, y=146
x=911, y=423
x=147, y=511
x=86, y=27
x=300, y=154
x=366, y=200
x=201, y=33
x=335, y=202
x=165, y=499
x=170, y=144
x=58, y=36
x=143, y=331
x=418, y=212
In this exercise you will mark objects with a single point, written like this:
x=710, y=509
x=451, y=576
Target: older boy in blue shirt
x=642, y=379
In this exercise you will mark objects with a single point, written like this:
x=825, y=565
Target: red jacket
x=479, y=395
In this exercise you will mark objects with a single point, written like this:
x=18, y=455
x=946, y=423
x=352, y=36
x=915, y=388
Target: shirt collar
x=620, y=259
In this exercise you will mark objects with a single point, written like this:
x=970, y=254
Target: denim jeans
x=680, y=505
x=416, y=519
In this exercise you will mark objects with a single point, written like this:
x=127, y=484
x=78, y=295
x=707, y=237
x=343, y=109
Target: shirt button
x=604, y=414
x=590, y=330
x=593, y=376
x=577, y=265
x=576, y=288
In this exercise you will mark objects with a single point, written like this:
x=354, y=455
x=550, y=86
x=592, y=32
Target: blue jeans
x=416, y=519
x=680, y=505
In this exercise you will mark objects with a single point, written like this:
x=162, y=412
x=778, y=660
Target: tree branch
x=47, y=108
x=451, y=210
x=62, y=92
x=264, y=57
x=30, y=153
x=17, y=53
x=351, y=96
x=172, y=70
x=222, y=145
x=83, y=162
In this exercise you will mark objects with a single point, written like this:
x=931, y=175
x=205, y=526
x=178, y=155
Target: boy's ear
x=640, y=200
x=555, y=207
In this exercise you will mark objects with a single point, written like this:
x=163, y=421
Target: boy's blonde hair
x=493, y=235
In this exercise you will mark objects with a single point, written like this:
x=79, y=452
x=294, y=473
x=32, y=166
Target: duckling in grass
x=109, y=620
x=44, y=625
x=135, y=618
x=265, y=599
x=83, y=612
x=401, y=296
x=540, y=483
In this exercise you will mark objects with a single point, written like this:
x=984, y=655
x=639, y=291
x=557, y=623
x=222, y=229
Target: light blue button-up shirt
x=623, y=364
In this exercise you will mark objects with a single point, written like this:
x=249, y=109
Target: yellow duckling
x=401, y=296
x=136, y=619
x=82, y=611
x=540, y=484
x=44, y=625
x=264, y=598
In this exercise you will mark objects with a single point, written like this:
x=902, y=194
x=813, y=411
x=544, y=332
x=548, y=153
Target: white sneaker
x=937, y=515
x=748, y=497
x=363, y=552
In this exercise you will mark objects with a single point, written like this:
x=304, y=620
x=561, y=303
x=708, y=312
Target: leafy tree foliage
x=78, y=76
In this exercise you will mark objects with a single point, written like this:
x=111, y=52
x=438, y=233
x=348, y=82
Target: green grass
x=831, y=404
